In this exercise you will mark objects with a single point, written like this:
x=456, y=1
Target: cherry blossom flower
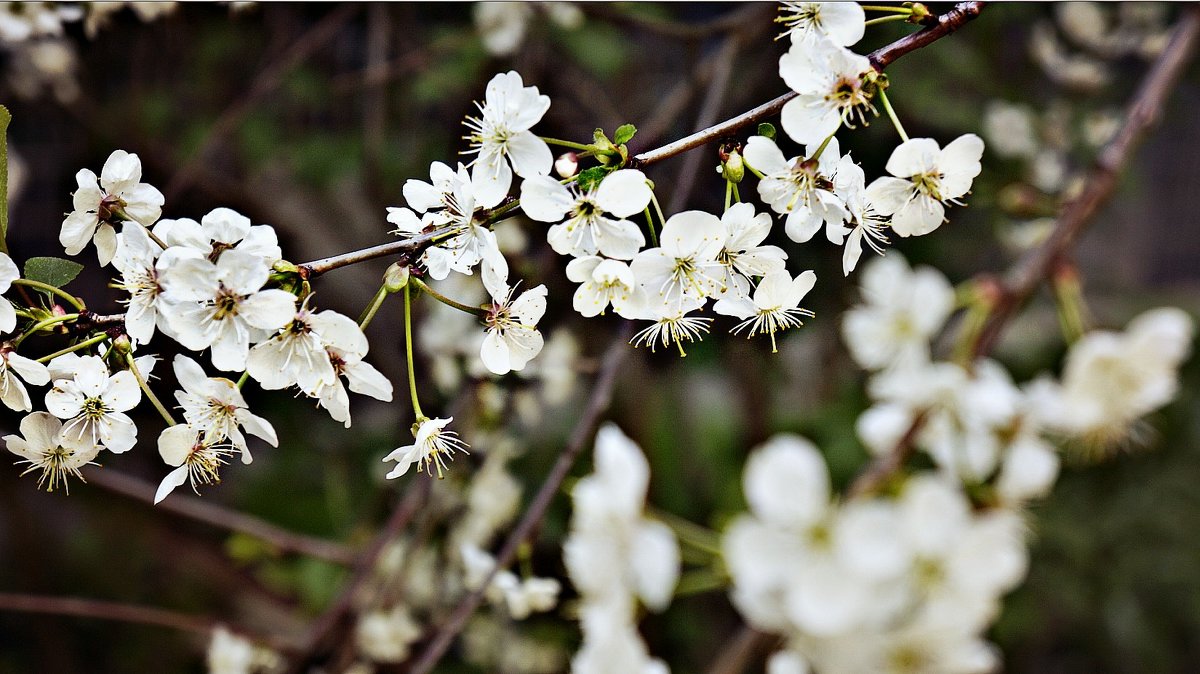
x=501, y=135
x=775, y=307
x=345, y=349
x=512, y=338
x=221, y=229
x=672, y=324
x=8, y=274
x=834, y=88
x=41, y=446
x=926, y=177
x=842, y=23
x=742, y=253
x=120, y=195
x=215, y=406
x=800, y=188
x=433, y=445
x=588, y=230
x=94, y=403
x=685, y=266
x=296, y=354
x=867, y=225
x=386, y=636
x=222, y=305
x=13, y=368
x=137, y=258
x=605, y=282
x=197, y=456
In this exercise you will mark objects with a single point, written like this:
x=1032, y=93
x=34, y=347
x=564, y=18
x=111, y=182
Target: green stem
x=824, y=144
x=42, y=325
x=408, y=348
x=70, y=349
x=886, y=8
x=887, y=106
x=146, y=389
x=887, y=19
x=154, y=237
x=728, y=194
x=478, y=311
x=700, y=582
x=242, y=380
x=650, y=226
x=737, y=198
x=567, y=143
x=46, y=287
x=369, y=313
x=757, y=174
x=690, y=533
x=658, y=210
x=494, y=216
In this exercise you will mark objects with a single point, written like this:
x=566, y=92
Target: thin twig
x=1032, y=270
x=584, y=429
x=129, y=613
x=224, y=518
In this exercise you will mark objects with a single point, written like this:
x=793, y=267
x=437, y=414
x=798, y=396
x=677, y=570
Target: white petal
x=624, y=193
x=544, y=199
x=170, y=482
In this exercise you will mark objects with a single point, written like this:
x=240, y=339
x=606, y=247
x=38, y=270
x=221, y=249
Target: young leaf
x=590, y=178
x=53, y=271
x=624, y=134
x=767, y=129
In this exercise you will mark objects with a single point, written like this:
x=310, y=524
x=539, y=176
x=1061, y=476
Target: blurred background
x=311, y=117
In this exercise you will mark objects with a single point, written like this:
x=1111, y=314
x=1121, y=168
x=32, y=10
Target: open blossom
x=8, y=274
x=13, y=368
x=672, y=324
x=296, y=354
x=137, y=259
x=222, y=305
x=742, y=254
x=94, y=403
x=220, y=229
x=588, y=230
x=386, y=636
x=120, y=195
x=926, y=177
x=451, y=201
x=215, y=406
x=800, y=188
x=41, y=446
x=834, y=88
x=842, y=23
x=604, y=282
x=902, y=311
x=775, y=307
x=685, y=266
x=501, y=135
x=345, y=349
x=197, y=456
x=867, y=225
x=434, y=444
x=512, y=338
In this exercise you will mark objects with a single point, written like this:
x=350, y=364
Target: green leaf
x=5, y=118
x=590, y=178
x=767, y=129
x=624, y=134
x=53, y=271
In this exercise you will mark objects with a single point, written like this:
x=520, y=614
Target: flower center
x=226, y=303
x=94, y=409
x=929, y=184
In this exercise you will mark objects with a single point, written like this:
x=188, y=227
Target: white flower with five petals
x=41, y=446
x=500, y=136
x=588, y=230
x=512, y=338
x=744, y=256
x=94, y=404
x=775, y=307
x=842, y=23
x=120, y=195
x=215, y=406
x=604, y=282
x=433, y=445
x=926, y=177
x=834, y=88
x=800, y=188
x=685, y=265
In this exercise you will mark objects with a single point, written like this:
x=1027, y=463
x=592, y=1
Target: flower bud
x=567, y=165
x=396, y=277
x=732, y=167
x=122, y=345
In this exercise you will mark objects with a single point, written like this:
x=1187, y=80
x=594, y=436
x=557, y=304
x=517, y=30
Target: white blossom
x=94, y=403
x=742, y=254
x=8, y=274
x=587, y=229
x=604, y=282
x=13, y=368
x=221, y=229
x=842, y=23
x=197, y=457
x=775, y=307
x=926, y=177
x=137, y=258
x=512, y=338
x=833, y=89
x=433, y=445
x=120, y=195
x=685, y=265
x=501, y=135
x=800, y=188
x=41, y=446
x=385, y=636
x=215, y=406
x=345, y=350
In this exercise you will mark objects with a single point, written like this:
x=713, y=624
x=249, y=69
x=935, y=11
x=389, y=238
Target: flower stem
x=887, y=8
x=70, y=349
x=737, y=197
x=824, y=144
x=41, y=325
x=567, y=143
x=650, y=226
x=728, y=194
x=242, y=380
x=887, y=19
x=154, y=237
x=659, y=211
x=887, y=106
x=478, y=311
x=369, y=313
x=408, y=348
x=46, y=287
x=146, y=389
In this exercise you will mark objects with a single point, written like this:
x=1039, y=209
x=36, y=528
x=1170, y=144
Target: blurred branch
x=269, y=79
x=225, y=518
x=674, y=29
x=746, y=645
x=1032, y=270
x=414, y=246
x=129, y=613
x=583, y=432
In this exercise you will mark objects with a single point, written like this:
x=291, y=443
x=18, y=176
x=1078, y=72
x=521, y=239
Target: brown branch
x=881, y=58
x=1032, y=270
x=584, y=429
x=129, y=613
x=224, y=518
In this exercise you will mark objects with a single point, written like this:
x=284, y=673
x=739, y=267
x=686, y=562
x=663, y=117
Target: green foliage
x=53, y=271
x=624, y=134
x=767, y=130
x=590, y=178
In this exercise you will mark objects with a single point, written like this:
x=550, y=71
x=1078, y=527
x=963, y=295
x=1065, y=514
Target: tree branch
x=224, y=518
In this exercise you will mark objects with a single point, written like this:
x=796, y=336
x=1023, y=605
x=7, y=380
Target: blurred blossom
x=1009, y=129
x=385, y=636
